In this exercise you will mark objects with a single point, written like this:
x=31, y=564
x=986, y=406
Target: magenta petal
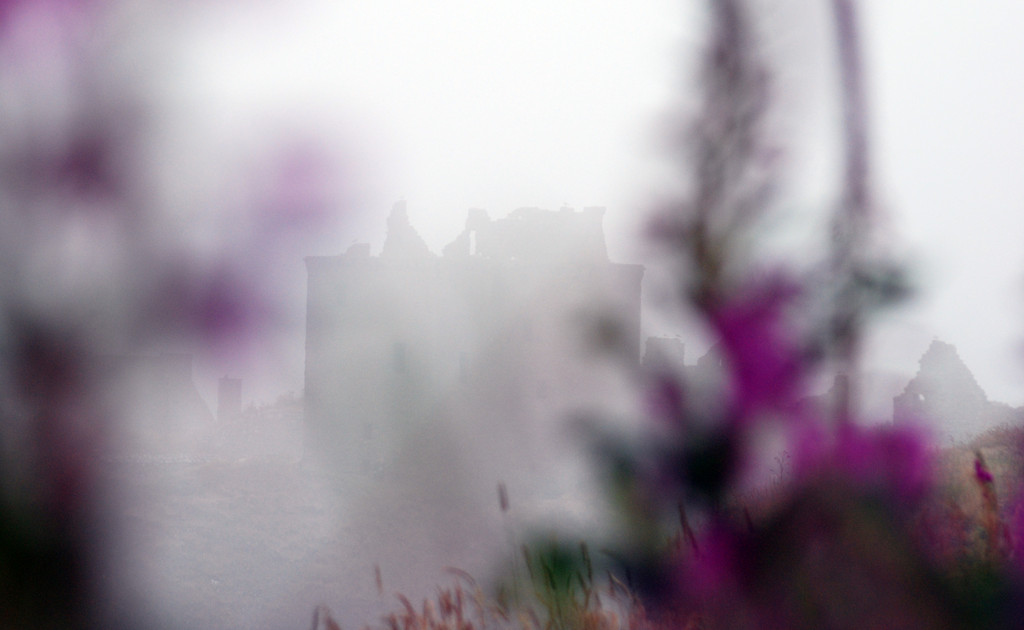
x=714, y=571
x=665, y=400
x=766, y=364
x=896, y=461
x=982, y=473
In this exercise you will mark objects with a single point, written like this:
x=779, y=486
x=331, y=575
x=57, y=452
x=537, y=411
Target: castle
x=945, y=393
x=504, y=321
x=501, y=327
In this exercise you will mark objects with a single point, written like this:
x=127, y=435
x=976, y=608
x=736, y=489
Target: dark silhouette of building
x=945, y=393
x=505, y=322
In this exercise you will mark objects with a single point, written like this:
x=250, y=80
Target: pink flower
x=1016, y=533
x=981, y=472
x=298, y=194
x=714, y=571
x=894, y=461
x=766, y=362
x=223, y=307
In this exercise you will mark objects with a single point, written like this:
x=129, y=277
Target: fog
x=290, y=289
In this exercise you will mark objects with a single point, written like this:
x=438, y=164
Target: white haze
x=453, y=105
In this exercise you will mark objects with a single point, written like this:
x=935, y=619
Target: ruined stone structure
x=501, y=323
x=945, y=393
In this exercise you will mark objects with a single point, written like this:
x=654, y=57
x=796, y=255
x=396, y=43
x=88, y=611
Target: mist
x=304, y=304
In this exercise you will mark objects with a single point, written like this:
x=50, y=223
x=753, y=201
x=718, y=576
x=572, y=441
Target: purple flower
x=1016, y=533
x=299, y=193
x=765, y=360
x=981, y=471
x=713, y=571
x=895, y=461
x=221, y=306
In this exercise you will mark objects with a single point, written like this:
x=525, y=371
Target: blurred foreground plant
x=863, y=524
x=99, y=261
x=850, y=536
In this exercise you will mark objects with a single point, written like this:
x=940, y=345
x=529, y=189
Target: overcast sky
x=455, y=104
x=947, y=99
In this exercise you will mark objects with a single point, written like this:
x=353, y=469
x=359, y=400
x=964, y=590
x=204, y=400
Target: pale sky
x=947, y=98
x=455, y=104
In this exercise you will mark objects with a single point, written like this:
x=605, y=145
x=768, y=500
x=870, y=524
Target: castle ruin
x=503, y=322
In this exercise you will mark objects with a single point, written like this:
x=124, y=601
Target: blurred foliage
x=861, y=526
x=865, y=527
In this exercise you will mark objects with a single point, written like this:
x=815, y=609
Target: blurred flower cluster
x=852, y=529
x=96, y=259
x=99, y=258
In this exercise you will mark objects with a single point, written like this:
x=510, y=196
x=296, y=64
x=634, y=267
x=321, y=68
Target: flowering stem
x=851, y=221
